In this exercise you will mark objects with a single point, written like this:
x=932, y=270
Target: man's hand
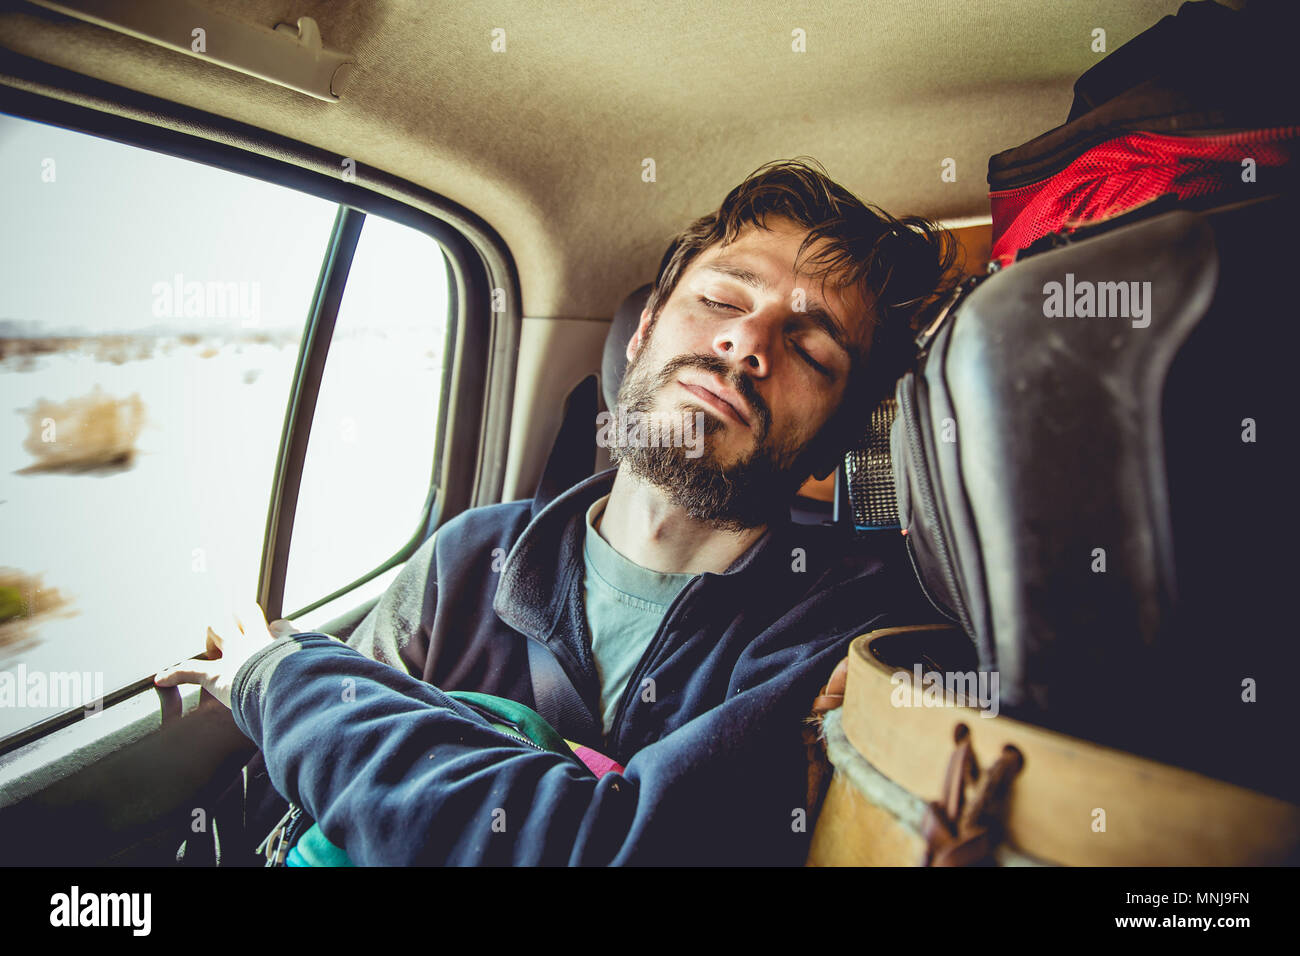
x=244, y=633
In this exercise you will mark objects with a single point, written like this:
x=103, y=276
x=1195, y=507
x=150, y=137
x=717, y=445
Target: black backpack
x=1095, y=497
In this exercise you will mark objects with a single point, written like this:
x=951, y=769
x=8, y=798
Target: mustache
x=742, y=383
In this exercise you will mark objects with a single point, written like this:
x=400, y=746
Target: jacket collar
x=539, y=569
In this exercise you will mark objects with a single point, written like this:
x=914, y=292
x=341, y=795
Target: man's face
x=764, y=352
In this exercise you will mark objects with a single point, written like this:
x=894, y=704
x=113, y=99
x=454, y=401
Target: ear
x=634, y=343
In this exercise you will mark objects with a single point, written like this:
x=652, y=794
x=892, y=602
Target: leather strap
x=960, y=834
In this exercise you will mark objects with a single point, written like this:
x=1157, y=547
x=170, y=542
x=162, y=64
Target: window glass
x=369, y=462
x=151, y=312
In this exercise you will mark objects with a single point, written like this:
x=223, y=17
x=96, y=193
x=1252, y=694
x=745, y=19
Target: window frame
x=474, y=407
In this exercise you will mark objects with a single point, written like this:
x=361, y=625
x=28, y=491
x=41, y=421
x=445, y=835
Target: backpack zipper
x=916, y=571
x=927, y=335
x=928, y=504
x=282, y=836
x=523, y=739
x=492, y=718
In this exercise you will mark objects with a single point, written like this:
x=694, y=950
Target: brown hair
x=905, y=264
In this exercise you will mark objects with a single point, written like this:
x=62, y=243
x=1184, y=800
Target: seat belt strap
x=556, y=698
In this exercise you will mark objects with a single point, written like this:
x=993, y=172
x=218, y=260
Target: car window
x=152, y=310
x=369, y=461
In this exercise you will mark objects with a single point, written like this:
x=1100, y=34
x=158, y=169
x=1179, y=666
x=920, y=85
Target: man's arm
x=396, y=772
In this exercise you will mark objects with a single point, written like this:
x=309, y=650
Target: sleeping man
x=666, y=616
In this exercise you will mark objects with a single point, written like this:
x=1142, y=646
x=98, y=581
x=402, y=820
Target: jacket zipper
x=634, y=682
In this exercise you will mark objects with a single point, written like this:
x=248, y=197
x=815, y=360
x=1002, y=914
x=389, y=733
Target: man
x=693, y=619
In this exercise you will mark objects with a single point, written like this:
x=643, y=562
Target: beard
x=745, y=494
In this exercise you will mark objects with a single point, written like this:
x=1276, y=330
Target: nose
x=746, y=340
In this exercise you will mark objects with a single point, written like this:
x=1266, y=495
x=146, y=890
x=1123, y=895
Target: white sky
x=84, y=252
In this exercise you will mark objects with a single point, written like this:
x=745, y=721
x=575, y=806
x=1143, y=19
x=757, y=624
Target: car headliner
x=546, y=140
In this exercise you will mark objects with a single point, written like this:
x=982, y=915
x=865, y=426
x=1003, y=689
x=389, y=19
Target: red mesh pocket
x=1134, y=168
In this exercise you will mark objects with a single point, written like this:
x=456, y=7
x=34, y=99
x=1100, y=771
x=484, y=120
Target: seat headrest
x=621, y=329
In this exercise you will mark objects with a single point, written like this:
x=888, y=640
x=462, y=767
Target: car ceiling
x=546, y=140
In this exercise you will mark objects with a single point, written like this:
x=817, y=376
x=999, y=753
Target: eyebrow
x=819, y=316
x=736, y=272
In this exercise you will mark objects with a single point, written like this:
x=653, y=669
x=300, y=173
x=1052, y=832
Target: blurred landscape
x=98, y=431
x=135, y=477
x=22, y=342
x=24, y=602
x=109, y=447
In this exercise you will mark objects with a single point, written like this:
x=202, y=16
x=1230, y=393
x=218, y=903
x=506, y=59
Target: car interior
x=551, y=152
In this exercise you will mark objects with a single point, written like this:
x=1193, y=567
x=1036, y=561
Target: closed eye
x=717, y=306
x=813, y=362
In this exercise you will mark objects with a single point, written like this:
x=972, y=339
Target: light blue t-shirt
x=625, y=604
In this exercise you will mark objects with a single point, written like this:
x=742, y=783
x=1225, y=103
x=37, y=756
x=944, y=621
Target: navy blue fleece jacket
x=709, y=728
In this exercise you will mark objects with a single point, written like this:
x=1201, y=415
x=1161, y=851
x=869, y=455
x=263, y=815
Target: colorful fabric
x=1133, y=169
x=597, y=763
x=315, y=849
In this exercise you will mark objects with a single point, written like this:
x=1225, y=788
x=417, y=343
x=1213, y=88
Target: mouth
x=726, y=404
